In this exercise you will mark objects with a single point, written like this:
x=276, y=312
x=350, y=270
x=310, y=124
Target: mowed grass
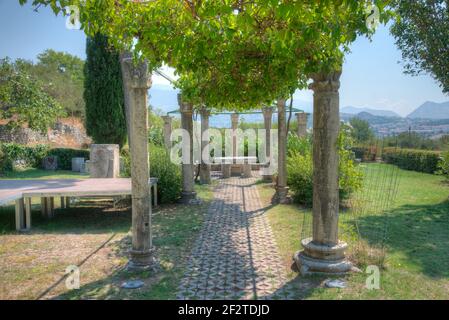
x=32, y=173
x=417, y=264
x=95, y=236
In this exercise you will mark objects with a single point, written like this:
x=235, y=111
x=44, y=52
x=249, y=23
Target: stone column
x=281, y=186
x=137, y=81
x=235, y=123
x=188, y=187
x=324, y=252
x=205, y=162
x=267, y=118
x=302, y=124
x=167, y=131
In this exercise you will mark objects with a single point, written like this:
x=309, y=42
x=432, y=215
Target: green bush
x=169, y=185
x=366, y=153
x=5, y=165
x=300, y=168
x=33, y=155
x=444, y=164
x=300, y=177
x=65, y=156
x=411, y=159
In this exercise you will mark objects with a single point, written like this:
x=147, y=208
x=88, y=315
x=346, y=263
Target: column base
x=246, y=170
x=267, y=177
x=281, y=195
x=141, y=260
x=187, y=197
x=322, y=259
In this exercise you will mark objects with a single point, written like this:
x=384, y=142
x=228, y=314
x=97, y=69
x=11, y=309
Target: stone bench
x=241, y=164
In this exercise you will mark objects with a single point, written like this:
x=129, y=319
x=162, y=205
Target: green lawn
x=417, y=265
x=32, y=173
x=94, y=235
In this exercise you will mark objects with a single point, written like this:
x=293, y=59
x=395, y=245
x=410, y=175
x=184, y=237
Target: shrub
x=411, y=159
x=443, y=164
x=5, y=165
x=300, y=177
x=169, y=185
x=300, y=169
x=65, y=156
x=366, y=153
x=33, y=155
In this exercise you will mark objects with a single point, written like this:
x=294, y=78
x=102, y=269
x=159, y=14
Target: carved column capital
x=235, y=120
x=301, y=117
x=167, y=119
x=267, y=112
x=184, y=106
x=136, y=76
x=325, y=82
x=204, y=112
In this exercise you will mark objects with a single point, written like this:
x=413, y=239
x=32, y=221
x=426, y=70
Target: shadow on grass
x=91, y=217
x=420, y=232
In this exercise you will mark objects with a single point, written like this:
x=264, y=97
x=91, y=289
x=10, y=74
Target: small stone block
x=133, y=284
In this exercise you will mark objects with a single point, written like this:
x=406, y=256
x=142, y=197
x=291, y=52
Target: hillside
x=374, y=112
x=431, y=110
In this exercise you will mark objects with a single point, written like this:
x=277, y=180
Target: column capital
x=235, y=120
x=167, y=119
x=136, y=76
x=281, y=102
x=325, y=82
x=204, y=112
x=184, y=106
x=301, y=117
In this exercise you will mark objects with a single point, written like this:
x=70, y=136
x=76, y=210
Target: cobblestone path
x=235, y=255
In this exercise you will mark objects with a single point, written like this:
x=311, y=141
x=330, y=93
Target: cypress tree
x=103, y=93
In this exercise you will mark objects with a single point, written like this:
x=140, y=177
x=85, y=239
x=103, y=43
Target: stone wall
x=66, y=133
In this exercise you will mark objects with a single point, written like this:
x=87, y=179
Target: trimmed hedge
x=411, y=159
x=65, y=156
x=33, y=155
x=169, y=185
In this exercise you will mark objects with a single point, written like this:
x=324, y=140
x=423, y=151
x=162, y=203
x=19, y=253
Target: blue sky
x=372, y=76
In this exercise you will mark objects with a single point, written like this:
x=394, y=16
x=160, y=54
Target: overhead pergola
x=237, y=54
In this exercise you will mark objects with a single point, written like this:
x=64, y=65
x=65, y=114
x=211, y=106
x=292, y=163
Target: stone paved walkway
x=235, y=255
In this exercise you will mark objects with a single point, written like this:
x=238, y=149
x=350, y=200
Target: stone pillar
x=104, y=161
x=281, y=186
x=324, y=252
x=234, y=123
x=188, y=186
x=137, y=81
x=267, y=118
x=205, y=162
x=167, y=131
x=302, y=124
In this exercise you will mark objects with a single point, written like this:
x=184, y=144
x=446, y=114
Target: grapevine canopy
x=231, y=54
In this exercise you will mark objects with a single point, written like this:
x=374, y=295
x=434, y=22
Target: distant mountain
x=431, y=110
x=374, y=112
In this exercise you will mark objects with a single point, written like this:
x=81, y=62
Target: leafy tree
x=63, y=76
x=422, y=32
x=103, y=93
x=23, y=99
x=361, y=130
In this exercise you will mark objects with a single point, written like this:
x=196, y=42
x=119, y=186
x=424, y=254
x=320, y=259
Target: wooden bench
x=22, y=191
